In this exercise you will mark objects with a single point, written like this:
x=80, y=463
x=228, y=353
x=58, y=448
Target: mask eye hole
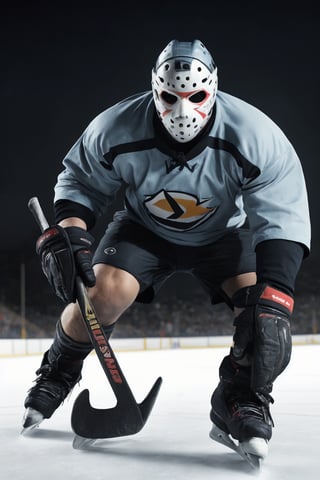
x=168, y=98
x=198, y=97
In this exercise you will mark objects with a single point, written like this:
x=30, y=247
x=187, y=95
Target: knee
x=114, y=292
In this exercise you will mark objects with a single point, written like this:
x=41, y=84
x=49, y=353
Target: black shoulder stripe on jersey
x=249, y=170
x=126, y=148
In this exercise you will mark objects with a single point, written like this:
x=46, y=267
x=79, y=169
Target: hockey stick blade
x=127, y=417
x=121, y=420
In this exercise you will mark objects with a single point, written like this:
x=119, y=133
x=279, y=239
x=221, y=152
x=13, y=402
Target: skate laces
x=241, y=407
x=55, y=382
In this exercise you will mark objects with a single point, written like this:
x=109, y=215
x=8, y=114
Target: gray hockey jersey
x=244, y=168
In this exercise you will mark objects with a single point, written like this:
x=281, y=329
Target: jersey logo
x=178, y=210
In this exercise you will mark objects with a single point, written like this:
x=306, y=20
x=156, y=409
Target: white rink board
x=40, y=345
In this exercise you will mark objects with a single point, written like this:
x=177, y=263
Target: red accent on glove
x=276, y=296
x=50, y=232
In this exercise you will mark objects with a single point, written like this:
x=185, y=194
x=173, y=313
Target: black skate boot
x=240, y=414
x=59, y=371
x=54, y=382
x=240, y=419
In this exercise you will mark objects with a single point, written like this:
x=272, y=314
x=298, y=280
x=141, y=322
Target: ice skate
x=242, y=423
x=54, y=383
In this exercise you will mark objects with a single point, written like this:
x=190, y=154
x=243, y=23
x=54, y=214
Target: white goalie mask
x=184, y=86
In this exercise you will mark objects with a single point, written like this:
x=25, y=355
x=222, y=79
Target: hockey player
x=213, y=188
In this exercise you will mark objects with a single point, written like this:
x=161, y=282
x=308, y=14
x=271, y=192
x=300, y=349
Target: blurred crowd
x=167, y=317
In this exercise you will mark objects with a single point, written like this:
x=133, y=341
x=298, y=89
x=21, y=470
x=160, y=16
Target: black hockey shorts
x=152, y=260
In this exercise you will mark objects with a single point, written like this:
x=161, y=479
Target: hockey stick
x=127, y=417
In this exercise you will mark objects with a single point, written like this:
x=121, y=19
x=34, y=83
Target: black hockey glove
x=262, y=334
x=65, y=253
x=81, y=243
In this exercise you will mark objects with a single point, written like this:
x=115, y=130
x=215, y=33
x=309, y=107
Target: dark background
x=63, y=66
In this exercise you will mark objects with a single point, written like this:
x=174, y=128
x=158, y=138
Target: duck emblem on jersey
x=178, y=210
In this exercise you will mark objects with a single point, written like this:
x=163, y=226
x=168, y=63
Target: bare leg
x=113, y=293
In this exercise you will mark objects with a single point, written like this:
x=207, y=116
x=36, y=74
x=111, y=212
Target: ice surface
x=174, y=444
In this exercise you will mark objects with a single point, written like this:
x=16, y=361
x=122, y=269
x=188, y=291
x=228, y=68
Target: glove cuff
x=49, y=236
x=263, y=294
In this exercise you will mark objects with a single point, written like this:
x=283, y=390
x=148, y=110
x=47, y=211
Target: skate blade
x=254, y=461
x=253, y=451
x=81, y=443
x=222, y=437
x=31, y=420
